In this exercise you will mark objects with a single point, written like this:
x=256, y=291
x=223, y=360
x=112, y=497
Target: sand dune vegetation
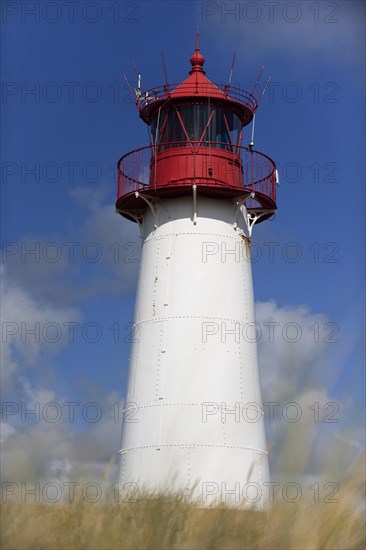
x=172, y=522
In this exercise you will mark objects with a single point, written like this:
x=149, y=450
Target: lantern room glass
x=197, y=125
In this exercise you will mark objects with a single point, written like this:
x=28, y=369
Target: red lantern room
x=196, y=129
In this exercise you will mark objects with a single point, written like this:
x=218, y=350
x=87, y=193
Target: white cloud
x=5, y=431
x=291, y=349
x=100, y=254
x=65, y=451
x=35, y=446
x=332, y=32
x=298, y=376
x=29, y=327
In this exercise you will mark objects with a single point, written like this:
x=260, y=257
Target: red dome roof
x=197, y=87
x=197, y=83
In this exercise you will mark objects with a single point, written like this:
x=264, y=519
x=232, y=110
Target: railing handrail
x=239, y=148
x=255, y=170
x=230, y=92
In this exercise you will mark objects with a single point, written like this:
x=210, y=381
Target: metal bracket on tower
x=251, y=219
x=150, y=204
x=137, y=219
x=194, y=190
x=239, y=204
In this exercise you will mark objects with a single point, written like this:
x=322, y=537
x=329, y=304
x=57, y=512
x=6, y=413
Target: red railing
x=190, y=89
x=178, y=164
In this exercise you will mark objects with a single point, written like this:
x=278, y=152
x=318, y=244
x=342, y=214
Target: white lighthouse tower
x=193, y=418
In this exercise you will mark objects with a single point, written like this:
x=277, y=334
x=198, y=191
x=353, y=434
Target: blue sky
x=76, y=125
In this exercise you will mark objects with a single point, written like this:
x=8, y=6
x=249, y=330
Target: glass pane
x=202, y=123
x=195, y=118
x=234, y=124
x=172, y=131
x=170, y=128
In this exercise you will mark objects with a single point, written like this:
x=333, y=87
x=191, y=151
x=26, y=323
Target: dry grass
x=170, y=522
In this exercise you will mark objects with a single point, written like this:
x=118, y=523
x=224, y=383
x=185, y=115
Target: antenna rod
x=264, y=89
x=256, y=82
x=232, y=67
x=130, y=90
x=164, y=68
x=134, y=65
x=251, y=145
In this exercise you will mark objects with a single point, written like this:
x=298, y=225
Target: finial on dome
x=197, y=60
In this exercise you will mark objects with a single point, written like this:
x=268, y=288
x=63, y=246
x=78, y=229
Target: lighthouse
x=193, y=415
